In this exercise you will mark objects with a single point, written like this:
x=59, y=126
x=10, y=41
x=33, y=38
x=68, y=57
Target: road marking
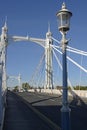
x=40, y=96
x=52, y=100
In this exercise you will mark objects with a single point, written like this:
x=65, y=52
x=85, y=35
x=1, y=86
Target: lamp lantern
x=64, y=16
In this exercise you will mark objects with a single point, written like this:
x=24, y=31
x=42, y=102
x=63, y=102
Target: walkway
x=19, y=116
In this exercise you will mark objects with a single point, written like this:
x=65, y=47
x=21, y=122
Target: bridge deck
x=19, y=116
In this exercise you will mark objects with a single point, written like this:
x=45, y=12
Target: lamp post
x=64, y=25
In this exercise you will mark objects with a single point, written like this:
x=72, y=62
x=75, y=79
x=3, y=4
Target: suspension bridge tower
x=48, y=61
x=4, y=42
x=47, y=45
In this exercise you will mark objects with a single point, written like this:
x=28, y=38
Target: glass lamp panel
x=64, y=21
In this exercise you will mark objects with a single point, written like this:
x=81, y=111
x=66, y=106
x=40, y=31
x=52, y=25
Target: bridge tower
x=19, y=81
x=18, y=78
x=48, y=61
x=47, y=45
x=3, y=43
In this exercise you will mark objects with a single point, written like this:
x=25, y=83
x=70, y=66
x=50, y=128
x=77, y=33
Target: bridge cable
x=37, y=69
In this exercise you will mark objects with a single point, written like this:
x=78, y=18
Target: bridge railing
x=80, y=93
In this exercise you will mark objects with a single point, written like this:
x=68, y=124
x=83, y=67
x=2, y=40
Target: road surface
x=50, y=106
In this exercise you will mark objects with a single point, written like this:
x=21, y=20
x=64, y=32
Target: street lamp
x=64, y=16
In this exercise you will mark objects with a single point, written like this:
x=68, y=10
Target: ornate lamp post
x=64, y=16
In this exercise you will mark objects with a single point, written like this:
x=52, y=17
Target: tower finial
x=5, y=21
x=48, y=34
x=5, y=25
x=48, y=26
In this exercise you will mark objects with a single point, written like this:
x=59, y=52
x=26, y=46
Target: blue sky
x=31, y=17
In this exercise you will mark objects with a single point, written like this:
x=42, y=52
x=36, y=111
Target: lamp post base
x=65, y=118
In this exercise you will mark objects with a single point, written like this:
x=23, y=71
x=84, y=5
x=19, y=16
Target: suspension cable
x=56, y=40
x=57, y=60
x=74, y=62
x=37, y=68
x=80, y=71
x=71, y=48
x=40, y=80
x=62, y=69
x=77, y=52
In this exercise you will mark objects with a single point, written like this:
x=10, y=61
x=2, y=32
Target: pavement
x=19, y=116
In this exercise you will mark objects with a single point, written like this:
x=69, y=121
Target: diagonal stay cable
x=37, y=68
x=74, y=62
x=62, y=69
x=75, y=50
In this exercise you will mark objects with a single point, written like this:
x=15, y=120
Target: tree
x=26, y=86
x=16, y=89
x=59, y=87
